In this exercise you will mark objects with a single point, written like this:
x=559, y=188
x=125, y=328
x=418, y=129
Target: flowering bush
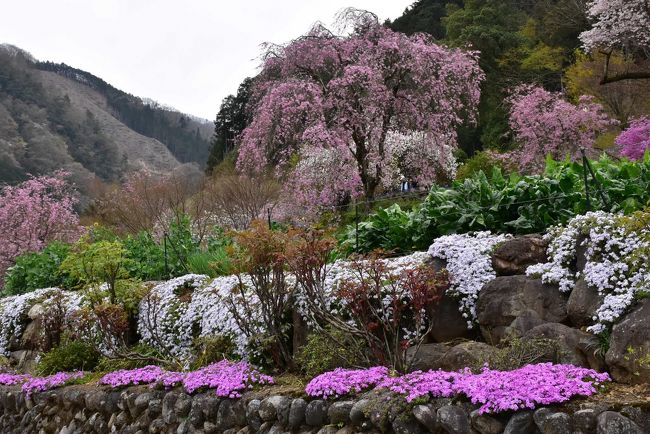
x=469, y=264
x=544, y=123
x=617, y=261
x=497, y=391
x=379, y=301
x=34, y=213
x=13, y=311
x=228, y=379
x=41, y=384
x=635, y=140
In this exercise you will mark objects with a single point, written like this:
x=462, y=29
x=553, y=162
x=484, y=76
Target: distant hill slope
x=55, y=116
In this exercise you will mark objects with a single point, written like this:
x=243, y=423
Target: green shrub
x=147, y=259
x=209, y=349
x=514, y=204
x=326, y=352
x=38, y=270
x=479, y=162
x=69, y=356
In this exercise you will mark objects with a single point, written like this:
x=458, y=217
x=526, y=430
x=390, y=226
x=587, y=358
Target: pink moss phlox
x=12, y=379
x=496, y=391
x=42, y=384
x=227, y=378
x=342, y=382
x=130, y=377
x=543, y=383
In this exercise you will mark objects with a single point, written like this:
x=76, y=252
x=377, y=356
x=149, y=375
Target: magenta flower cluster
x=228, y=379
x=496, y=391
x=345, y=381
x=41, y=384
x=12, y=379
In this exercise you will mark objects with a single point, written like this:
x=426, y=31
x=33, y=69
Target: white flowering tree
x=619, y=25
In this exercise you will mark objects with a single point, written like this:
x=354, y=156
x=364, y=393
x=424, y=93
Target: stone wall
x=139, y=410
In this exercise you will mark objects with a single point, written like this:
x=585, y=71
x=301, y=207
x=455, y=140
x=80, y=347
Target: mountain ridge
x=54, y=116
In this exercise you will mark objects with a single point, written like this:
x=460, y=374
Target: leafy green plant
x=38, y=270
x=96, y=263
x=479, y=162
x=69, y=356
x=321, y=354
x=505, y=203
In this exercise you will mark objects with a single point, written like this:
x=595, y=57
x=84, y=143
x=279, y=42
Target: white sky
x=189, y=54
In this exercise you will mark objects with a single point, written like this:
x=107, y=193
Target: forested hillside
x=55, y=116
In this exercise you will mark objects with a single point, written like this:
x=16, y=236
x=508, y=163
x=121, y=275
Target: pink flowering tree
x=544, y=123
x=34, y=213
x=634, y=142
x=622, y=25
x=326, y=105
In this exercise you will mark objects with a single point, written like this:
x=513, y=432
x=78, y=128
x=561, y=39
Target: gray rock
x=210, y=405
x=36, y=311
x=339, y=412
x=183, y=405
x=584, y=421
x=404, y=425
x=447, y=323
x=425, y=416
x=157, y=426
x=267, y=410
x=196, y=415
x=231, y=413
x=573, y=346
x=550, y=422
x=253, y=414
x=358, y=412
x=297, y=413
x=611, y=422
x=210, y=428
x=316, y=413
x=168, y=403
x=485, y=424
x=516, y=255
x=629, y=342
x=521, y=423
x=155, y=407
x=327, y=430
x=639, y=416
x=453, y=419
x=523, y=324
x=583, y=303
x=505, y=298
x=140, y=403
x=429, y=356
x=466, y=354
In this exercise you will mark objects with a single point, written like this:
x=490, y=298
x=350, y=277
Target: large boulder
x=449, y=358
x=447, y=323
x=630, y=342
x=573, y=346
x=428, y=356
x=466, y=354
x=515, y=255
x=506, y=298
x=583, y=303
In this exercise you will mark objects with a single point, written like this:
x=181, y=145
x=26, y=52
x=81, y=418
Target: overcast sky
x=188, y=54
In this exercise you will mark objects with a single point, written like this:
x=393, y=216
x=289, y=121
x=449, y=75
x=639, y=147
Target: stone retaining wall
x=139, y=410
